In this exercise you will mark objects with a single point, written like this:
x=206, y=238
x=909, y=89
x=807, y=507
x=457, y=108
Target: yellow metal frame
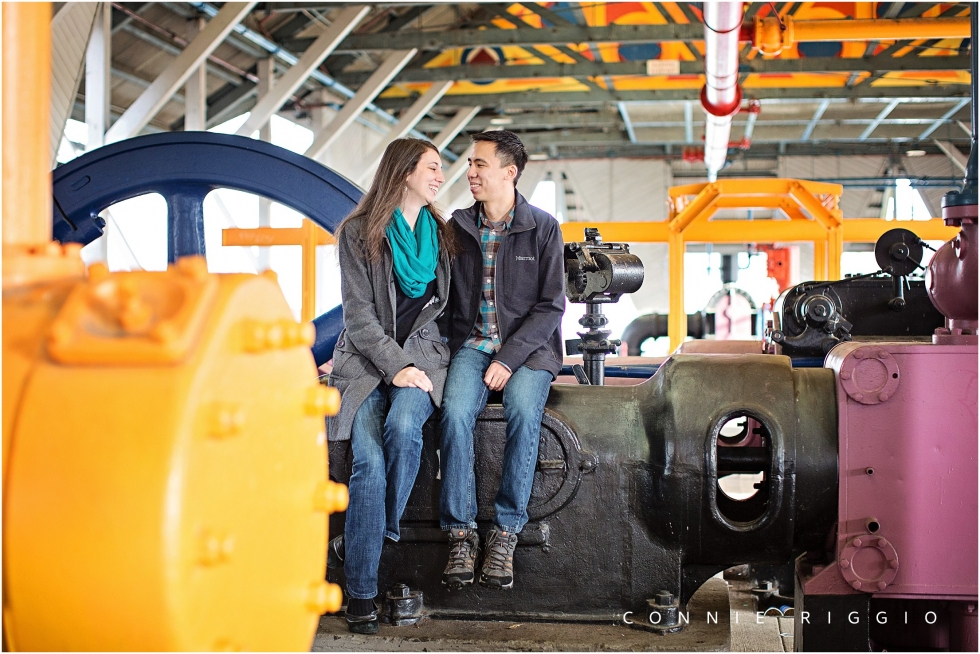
x=814, y=215
x=308, y=237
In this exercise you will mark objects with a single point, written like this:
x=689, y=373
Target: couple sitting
x=411, y=282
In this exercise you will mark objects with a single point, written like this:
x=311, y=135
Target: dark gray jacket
x=529, y=287
x=366, y=351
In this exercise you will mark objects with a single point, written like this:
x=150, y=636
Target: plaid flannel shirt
x=485, y=336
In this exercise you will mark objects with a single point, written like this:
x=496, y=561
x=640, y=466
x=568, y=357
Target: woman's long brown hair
x=375, y=209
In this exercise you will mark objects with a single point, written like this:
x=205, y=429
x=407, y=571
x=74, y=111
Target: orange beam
x=754, y=231
x=702, y=207
x=629, y=232
x=880, y=29
x=856, y=230
x=308, y=293
x=26, y=103
x=266, y=236
x=868, y=230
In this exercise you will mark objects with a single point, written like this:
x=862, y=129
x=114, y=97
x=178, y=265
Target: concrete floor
x=737, y=630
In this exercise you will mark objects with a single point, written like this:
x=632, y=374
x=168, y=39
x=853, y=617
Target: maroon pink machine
x=905, y=571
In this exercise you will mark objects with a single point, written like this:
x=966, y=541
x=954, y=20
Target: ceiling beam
x=346, y=20
x=462, y=38
x=946, y=116
x=146, y=106
x=890, y=107
x=956, y=157
x=949, y=93
x=379, y=79
x=817, y=115
x=456, y=124
x=405, y=123
x=759, y=150
x=586, y=69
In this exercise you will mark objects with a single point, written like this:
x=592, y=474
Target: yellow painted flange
x=166, y=483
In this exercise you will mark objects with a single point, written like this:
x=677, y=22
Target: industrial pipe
x=721, y=96
x=773, y=34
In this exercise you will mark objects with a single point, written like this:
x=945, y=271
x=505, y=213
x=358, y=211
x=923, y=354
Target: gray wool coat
x=366, y=352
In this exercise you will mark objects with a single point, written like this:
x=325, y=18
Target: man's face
x=489, y=179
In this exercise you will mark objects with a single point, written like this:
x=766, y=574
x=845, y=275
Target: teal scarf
x=415, y=253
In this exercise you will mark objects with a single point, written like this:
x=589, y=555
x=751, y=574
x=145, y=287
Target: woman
x=390, y=362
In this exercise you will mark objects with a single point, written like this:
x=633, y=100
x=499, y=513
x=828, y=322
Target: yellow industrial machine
x=164, y=456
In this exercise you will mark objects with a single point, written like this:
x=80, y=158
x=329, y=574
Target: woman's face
x=427, y=178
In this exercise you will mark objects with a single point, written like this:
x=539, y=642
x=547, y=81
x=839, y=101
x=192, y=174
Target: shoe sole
x=363, y=628
x=456, y=584
x=496, y=585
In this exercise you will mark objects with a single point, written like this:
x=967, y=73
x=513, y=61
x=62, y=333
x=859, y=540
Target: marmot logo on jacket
x=525, y=258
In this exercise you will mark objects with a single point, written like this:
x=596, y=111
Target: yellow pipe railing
x=855, y=230
x=308, y=237
x=811, y=206
x=772, y=35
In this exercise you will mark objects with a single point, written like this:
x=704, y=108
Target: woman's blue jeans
x=464, y=398
x=387, y=444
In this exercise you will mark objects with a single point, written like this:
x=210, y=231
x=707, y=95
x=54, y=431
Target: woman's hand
x=412, y=376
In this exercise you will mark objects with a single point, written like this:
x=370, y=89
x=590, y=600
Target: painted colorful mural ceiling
x=662, y=13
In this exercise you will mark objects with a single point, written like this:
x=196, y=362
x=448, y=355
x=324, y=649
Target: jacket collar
x=523, y=220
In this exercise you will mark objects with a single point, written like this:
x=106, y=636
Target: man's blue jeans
x=465, y=397
x=387, y=443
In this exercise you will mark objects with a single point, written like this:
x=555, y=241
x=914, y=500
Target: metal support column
x=267, y=79
x=196, y=95
x=98, y=72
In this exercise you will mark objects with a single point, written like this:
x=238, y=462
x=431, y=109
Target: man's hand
x=412, y=376
x=497, y=376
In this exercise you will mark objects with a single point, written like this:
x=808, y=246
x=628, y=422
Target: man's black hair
x=508, y=146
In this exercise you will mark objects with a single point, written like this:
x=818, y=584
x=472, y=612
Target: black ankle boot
x=362, y=616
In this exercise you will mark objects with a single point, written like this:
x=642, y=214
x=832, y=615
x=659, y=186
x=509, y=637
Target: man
x=503, y=323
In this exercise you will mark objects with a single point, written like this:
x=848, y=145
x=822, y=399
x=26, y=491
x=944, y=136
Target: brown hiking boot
x=464, y=548
x=498, y=566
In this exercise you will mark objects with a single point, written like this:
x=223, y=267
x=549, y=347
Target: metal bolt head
x=664, y=598
x=858, y=542
x=400, y=590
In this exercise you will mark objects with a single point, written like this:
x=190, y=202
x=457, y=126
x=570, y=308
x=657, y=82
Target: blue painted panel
x=820, y=49
x=639, y=51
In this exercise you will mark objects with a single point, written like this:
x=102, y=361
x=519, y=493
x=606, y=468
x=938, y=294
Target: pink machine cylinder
x=906, y=538
x=721, y=96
